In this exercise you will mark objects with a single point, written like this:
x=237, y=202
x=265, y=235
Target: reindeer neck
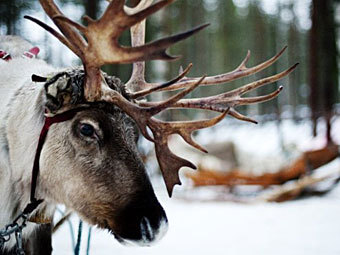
x=21, y=120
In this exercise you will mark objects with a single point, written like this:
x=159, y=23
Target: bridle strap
x=49, y=121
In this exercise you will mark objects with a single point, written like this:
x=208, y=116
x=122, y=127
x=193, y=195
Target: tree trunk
x=313, y=69
x=293, y=42
x=91, y=8
x=328, y=60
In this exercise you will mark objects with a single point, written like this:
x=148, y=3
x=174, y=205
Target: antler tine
x=232, y=112
x=256, y=84
x=172, y=100
x=252, y=100
x=157, y=49
x=170, y=164
x=224, y=101
x=259, y=99
x=137, y=32
x=56, y=34
x=70, y=33
x=117, y=8
x=137, y=81
x=240, y=72
x=146, y=92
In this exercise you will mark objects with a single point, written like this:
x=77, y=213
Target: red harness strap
x=49, y=121
x=5, y=56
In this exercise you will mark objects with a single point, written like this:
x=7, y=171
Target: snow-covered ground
x=310, y=226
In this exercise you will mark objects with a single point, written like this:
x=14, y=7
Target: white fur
x=21, y=119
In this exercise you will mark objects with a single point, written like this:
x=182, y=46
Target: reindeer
x=88, y=160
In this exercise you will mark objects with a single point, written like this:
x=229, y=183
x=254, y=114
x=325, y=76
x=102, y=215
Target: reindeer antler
x=101, y=47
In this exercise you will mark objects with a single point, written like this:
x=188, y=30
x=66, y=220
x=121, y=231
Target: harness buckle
x=19, y=246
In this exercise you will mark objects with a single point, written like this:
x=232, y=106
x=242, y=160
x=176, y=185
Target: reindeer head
x=110, y=187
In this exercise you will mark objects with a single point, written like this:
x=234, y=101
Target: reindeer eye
x=86, y=130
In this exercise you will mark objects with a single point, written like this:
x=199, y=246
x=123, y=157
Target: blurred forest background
x=308, y=27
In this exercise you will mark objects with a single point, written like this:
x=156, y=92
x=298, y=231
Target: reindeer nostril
x=146, y=230
x=148, y=233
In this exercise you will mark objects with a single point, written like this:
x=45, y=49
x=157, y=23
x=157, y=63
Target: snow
x=309, y=226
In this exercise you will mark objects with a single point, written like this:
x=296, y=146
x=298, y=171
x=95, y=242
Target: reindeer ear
x=63, y=90
x=56, y=89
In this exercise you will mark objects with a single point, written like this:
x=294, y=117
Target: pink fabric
x=32, y=53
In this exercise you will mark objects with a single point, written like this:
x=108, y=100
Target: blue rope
x=88, y=241
x=80, y=229
x=70, y=226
